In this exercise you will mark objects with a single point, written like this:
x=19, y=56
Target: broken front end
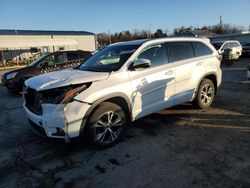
x=54, y=112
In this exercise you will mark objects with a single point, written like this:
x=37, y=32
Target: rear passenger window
x=72, y=56
x=201, y=49
x=84, y=55
x=234, y=44
x=179, y=51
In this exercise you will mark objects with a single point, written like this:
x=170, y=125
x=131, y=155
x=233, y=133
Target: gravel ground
x=177, y=147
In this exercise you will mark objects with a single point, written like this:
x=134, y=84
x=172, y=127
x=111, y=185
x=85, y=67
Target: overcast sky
x=114, y=15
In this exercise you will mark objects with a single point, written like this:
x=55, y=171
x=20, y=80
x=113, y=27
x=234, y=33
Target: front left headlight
x=11, y=75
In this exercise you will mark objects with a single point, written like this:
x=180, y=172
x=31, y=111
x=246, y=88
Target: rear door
x=84, y=55
x=181, y=56
x=73, y=59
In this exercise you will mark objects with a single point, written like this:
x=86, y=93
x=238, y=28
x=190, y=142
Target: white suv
x=119, y=84
x=232, y=46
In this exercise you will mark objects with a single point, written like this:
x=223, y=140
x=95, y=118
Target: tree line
x=108, y=38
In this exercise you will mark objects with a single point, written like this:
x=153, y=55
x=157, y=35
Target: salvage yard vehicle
x=55, y=61
x=122, y=83
x=231, y=50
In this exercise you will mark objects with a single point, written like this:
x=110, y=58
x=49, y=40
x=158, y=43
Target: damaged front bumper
x=58, y=120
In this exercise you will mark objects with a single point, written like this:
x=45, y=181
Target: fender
x=198, y=85
x=99, y=101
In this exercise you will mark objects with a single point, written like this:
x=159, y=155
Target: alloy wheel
x=108, y=127
x=206, y=94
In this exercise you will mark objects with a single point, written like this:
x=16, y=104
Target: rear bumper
x=58, y=120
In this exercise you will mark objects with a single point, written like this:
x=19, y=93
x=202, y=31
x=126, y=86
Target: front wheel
x=106, y=124
x=205, y=95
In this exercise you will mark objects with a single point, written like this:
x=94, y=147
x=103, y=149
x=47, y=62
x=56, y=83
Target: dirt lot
x=178, y=147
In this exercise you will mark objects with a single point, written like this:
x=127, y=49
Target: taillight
x=219, y=57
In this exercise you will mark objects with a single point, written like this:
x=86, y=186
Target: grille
x=33, y=101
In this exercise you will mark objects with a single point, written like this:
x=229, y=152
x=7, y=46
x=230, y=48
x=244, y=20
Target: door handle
x=199, y=63
x=169, y=72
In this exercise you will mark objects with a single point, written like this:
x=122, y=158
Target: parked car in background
x=14, y=79
x=119, y=84
x=246, y=49
x=231, y=50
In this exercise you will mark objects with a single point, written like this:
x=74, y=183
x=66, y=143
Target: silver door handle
x=169, y=72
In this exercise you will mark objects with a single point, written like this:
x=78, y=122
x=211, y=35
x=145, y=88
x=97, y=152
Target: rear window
x=201, y=49
x=179, y=51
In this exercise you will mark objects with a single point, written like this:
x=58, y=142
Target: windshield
x=38, y=59
x=109, y=59
x=217, y=45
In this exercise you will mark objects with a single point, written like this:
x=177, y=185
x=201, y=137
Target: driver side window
x=156, y=54
x=52, y=60
x=225, y=46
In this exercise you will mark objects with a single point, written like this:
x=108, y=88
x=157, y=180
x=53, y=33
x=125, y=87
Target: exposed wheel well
x=122, y=103
x=213, y=78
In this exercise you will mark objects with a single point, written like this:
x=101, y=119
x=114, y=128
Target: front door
x=153, y=87
x=53, y=62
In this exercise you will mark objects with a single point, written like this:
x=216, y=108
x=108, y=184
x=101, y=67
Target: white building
x=23, y=44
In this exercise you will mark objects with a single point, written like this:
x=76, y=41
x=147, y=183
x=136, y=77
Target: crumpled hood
x=63, y=78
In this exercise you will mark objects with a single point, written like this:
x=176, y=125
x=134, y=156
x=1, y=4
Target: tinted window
x=84, y=55
x=52, y=59
x=201, y=49
x=72, y=56
x=179, y=51
x=156, y=54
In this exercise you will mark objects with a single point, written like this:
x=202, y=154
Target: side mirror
x=221, y=51
x=141, y=63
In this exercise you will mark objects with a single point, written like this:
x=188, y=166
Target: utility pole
x=109, y=37
x=149, y=35
x=221, y=22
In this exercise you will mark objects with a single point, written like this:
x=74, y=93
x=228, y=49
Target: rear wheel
x=106, y=124
x=205, y=95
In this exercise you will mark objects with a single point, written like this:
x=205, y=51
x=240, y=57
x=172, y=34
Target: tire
x=106, y=125
x=205, y=94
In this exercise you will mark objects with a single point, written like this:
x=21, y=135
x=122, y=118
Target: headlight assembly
x=69, y=95
x=11, y=75
x=62, y=95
